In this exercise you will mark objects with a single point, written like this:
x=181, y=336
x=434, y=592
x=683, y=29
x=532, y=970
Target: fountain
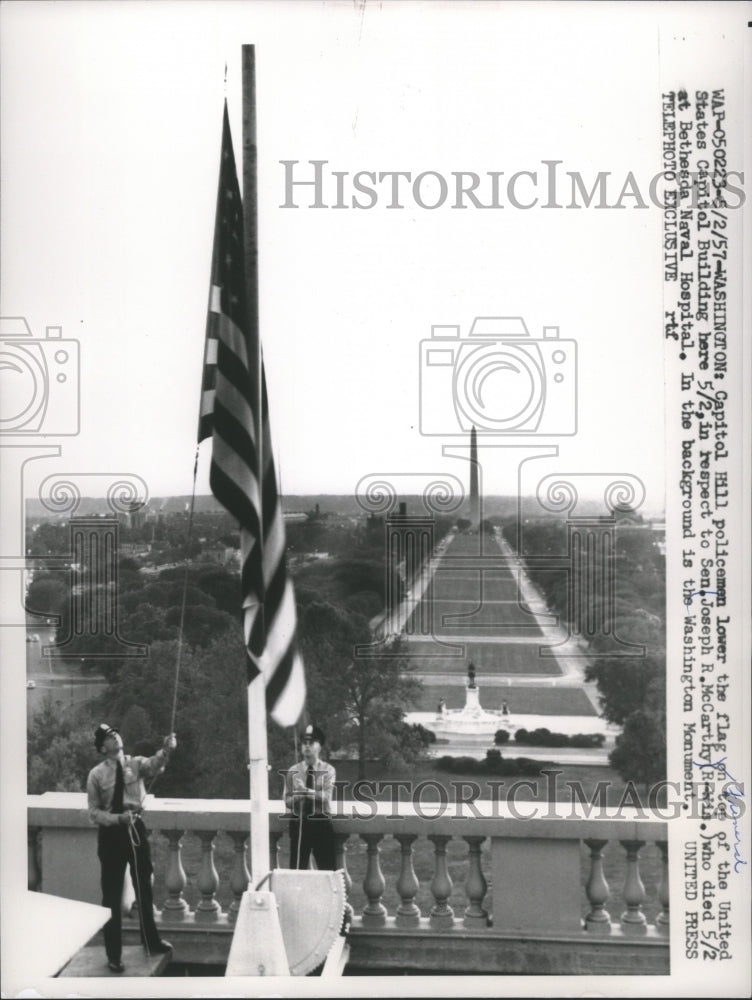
x=472, y=719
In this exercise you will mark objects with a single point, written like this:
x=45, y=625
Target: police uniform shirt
x=100, y=786
x=323, y=784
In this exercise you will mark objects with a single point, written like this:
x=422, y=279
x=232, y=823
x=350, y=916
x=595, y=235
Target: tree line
x=360, y=700
x=631, y=688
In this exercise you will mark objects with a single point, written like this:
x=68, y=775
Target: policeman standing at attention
x=116, y=793
x=308, y=795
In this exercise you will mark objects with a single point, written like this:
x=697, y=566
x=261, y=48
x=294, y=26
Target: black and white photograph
x=375, y=517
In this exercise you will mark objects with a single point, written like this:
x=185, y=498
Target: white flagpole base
x=257, y=947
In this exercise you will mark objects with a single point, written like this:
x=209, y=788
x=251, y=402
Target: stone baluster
x=662, y=921
x=597, y=920
x=340, y=847
x=442, y=914
x=34, y=869
x=408, y=914
x=175, y=907
x=476, y=886
x=633, y=920
x=374, y=912
x=240, y=875
x=274, y=838
x=208, y=880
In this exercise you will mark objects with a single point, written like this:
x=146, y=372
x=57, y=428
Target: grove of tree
x=632, y=686
x=360, y=699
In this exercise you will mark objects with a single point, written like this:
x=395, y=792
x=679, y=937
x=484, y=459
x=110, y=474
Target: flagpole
x=257, y=744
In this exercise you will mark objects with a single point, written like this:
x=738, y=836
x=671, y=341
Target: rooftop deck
x=531, y=897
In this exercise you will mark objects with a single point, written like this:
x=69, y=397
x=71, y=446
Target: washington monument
x=474, y=498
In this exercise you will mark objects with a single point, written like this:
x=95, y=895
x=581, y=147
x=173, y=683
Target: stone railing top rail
x=540, y=820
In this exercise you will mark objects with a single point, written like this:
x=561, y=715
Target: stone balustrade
x=531, y=895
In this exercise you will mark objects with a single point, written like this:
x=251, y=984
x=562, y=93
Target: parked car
x=31, y=684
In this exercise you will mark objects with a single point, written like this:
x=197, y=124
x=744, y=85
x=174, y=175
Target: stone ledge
x=652, y=937
x=490, y=818
x=431, y=954
x=426, y=950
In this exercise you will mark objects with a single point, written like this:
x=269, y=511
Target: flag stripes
x=242, y=476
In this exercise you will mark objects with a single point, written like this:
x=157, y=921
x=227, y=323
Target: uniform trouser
x=317, y=837
x=119, y=846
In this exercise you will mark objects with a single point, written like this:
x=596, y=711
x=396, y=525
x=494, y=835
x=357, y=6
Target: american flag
x=230, y=406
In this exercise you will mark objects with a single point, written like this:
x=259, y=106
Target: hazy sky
x=111, y=119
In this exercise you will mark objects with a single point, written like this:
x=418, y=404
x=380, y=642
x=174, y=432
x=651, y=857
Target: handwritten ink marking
x=697, y=593
x=736, y=811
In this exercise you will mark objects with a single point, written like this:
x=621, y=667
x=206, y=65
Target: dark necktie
x=309, y=784
x=117, y=798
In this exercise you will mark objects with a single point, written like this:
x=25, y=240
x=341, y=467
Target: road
x=67, y=686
